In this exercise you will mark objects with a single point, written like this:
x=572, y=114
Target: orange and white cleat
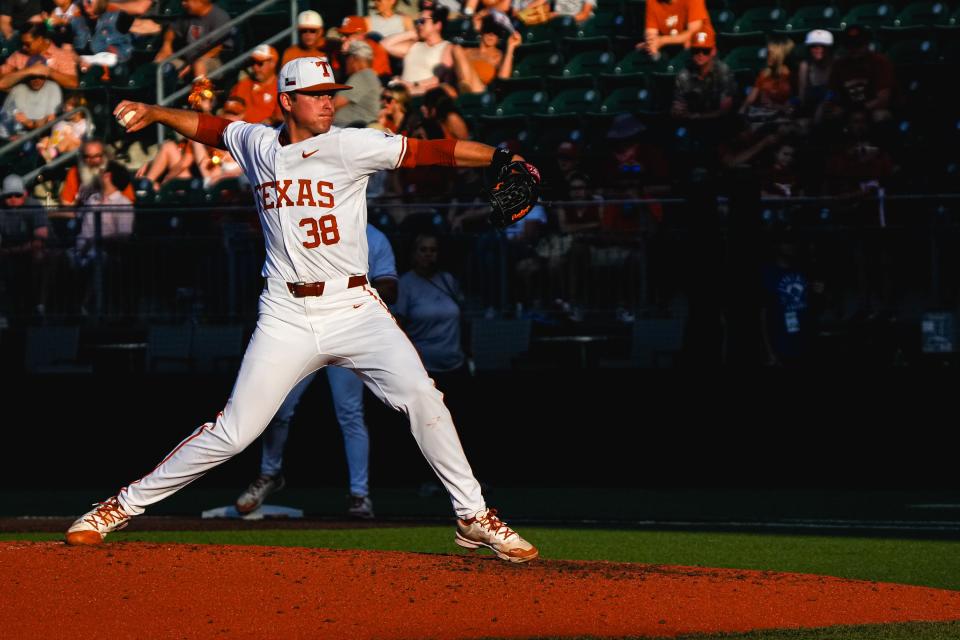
x=93, y=527
x=485, y=529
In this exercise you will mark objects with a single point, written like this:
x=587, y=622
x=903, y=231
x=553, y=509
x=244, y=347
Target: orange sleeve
x=129, y=193
x=429, y=152
x=651, y=18
x=698, y=11
x=210, y=130
x=71, y=187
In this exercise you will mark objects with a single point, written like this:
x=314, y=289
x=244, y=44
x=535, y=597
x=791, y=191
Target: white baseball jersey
x=311, y=196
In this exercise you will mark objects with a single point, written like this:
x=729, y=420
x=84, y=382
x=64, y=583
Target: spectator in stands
x=476, y=67
x=30, y=105
x=394, y=113
x=813, y=75
x=359, y=105
x=58, y=64
x=354, y=28
x=530, y=12
x=217, y=164
x=202, y=18
x=771, y=98
x=780, y=178
x=428, y=309
x=115, y=212
x=438, y=106
x=384, y=20
x=23, y=239
x=706, y=88
x=567, y=160
x=105, y=34
x=580, y=10
x=59, y=19
x=16, y=15
x=259, y=89
x=137, y=9
x=68, y=134
x=672, y=23
x=787, y=312
x=427, y=57
x=860, y=78
x=82, y=178
x=311, y=42
x=858, y=165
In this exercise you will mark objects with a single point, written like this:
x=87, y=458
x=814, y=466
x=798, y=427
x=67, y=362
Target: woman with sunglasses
x=394, y=109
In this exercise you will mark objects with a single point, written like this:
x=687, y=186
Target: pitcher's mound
x=189, y=591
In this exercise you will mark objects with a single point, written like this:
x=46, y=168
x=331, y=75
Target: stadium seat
x=764, y=19
x=227, y=191
x=604, y=23
x=914, y=52
x=459, y=31
x=678, y=62
x=753, y=58
x=472, y=105
x=144, y=76
x=816, y=16
x=872, y=14
x=639, y=62
x=628, y=100
x=722, y=19
x=538, y=65
x=591, y=63
x=923, y=14
x=574, y=102
x=94, y=78
x=181, y=191
x=53, y=350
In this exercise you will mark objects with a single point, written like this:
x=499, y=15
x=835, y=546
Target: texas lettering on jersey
x=277, y=194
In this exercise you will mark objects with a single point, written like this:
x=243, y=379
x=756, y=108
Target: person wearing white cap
x=361, y=104
x=813, y=74
x=309, y=181
x=311, y=41
x=259, y=89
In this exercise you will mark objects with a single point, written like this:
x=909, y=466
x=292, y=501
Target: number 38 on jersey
x=282, y=193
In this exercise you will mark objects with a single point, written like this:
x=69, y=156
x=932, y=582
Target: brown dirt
x=138, y=590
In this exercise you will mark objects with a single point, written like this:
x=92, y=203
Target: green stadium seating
x=539, y=65
x=628, y=100
x=678, y=62
x=764, y=19
x=574, y=102
x=722, y=19
x=871, y=14
x=639, y=62
x=923, y=14
x=753, y=58
x=523, y=103
x=817, y=16
x=591, y=63
x=472, y=105
x=914, y=52
x=181, y=191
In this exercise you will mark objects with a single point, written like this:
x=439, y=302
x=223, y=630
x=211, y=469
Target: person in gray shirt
x=30, y=104
x=360, y=105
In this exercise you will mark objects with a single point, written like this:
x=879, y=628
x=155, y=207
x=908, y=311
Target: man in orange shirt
x=259, y=90
x=673, y=22
x=84, y=176
x=312, y=44
x=355, y=28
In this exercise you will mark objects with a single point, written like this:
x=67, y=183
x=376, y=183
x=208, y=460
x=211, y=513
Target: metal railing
x=208, y=41
x=39, y=131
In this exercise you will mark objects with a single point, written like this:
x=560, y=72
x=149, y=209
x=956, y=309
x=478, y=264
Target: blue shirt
x=379, y=255
x=431, y=317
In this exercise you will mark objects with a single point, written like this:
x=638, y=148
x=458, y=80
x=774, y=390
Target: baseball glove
x=514, y=194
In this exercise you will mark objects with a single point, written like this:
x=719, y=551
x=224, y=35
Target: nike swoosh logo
x=357, y=306
x=307, y=155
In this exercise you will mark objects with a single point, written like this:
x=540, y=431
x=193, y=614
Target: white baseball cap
x=820, y=37
x=308, y=74
x=263, y=52
x=310, y=19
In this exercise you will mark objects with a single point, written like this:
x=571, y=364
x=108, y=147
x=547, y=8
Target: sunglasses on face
x=700, y=51
x=420, y=21
x=91, y=156
x=260, y=63
x=309, y=30
x=386, y=98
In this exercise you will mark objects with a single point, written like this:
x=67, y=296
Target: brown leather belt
x=304, y=289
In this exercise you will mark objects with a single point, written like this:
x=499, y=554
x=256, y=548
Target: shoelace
x=106, y=514
x=494, y=524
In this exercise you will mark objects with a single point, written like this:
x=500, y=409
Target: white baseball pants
x=350, y=327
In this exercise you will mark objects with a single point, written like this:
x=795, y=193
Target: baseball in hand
x=125, y=117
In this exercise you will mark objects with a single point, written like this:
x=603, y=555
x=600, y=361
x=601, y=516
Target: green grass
x=916, y=562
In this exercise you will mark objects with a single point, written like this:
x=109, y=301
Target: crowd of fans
x=827, y=114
